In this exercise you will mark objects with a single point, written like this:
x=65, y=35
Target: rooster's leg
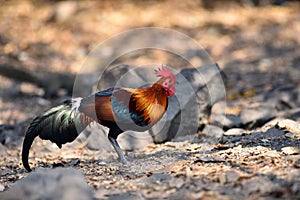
x=116, y=146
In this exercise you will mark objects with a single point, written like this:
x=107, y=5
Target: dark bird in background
x=119, y=109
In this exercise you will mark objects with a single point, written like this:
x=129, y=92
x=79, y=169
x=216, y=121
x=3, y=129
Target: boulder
x=257, y=115
x=59, y=183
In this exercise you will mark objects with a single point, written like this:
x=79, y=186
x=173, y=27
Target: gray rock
x=158, y=177
x=197, y=91
x=234, y=131
x=260, y=185
x=293, y=114
x=131, y=140
x=226, y=121
x=290, y=125
x=212, y=134
x=2, y=149
x=59, y=183
x=257, y=115
x=286, y=124
x=12, y=135
x=96, y=138
x=213, y=131
x=125, y=196
x=229, y=176
x=207, y=83
x=290, y=150
x=1, y=187
x=296, y=188
x=283, y=97
x=272, y=123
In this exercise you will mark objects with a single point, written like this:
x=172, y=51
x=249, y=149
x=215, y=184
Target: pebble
x=272, y=123
x=290, y=150
x=227, y=121
x=296, y=188
x=232, y=176
x=257, y=115
x=229, y=176
x=213, y=131
x=287, y=124
x=177, y=183
x=234, y=132
x=258, y=184
x=291, y=135
x=290, y=125
x=2, y=149
x=102, y=163
x=1, y=187
x=271, y=153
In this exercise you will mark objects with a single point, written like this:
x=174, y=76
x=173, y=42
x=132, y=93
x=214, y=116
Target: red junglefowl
x=119, y=109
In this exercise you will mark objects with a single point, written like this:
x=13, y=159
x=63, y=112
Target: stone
x=12, y=135
x=290, y=125
x=96, y=138
x=260, y=185
x=176, y=183
x=131, y=140
x=296, y=188
x=290, y=150
x=283, y=97
x=234, y=132
x=2, y=149
x=1, y=187
x=213, y=131
x=285, y=124
x=272, y=154
x=272, y=123
x=125, y=196
x=212, y=134
x=229, y=176
x=58, y=183
x=257, y=115
x=158, y=178
x=227, y=121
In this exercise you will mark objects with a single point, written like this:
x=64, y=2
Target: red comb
x=164, y=71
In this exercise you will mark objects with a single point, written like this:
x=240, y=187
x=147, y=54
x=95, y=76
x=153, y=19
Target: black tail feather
x=60, y=125
x=28, y=140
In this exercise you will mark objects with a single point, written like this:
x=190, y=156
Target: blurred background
x=44, y=43
x=254, y=146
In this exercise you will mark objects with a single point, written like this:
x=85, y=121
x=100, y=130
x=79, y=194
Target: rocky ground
x=251, y=152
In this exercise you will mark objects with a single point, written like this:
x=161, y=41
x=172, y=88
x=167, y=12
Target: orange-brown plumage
x=151, y=103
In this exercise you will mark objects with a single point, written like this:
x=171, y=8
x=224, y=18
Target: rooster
x=119, y=109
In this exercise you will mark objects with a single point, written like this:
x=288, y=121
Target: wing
x=123, y=108
x=143, y=106
x=98, y=105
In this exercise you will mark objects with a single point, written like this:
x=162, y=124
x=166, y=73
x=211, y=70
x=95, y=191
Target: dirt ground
x=256, y=47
